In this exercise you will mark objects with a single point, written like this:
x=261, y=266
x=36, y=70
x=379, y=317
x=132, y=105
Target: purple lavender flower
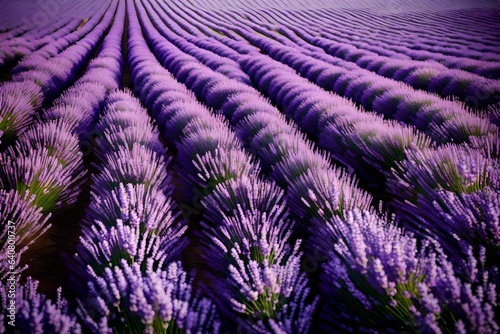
x=462, y=127
x=412, y=104
x=379, y=143
x=248, y=193
x=34, y=313
x=103, y=76
x=27, y=89
x=261, y=125
x=203, y=142
x=75, y=115
x=118, y=138
x=106, y=61
x=325, y=193
x=494, y=114
x=42, y=175
x=125, y=299
x=18, y=103
x=138, y=165
x=29, y=224
x=46, y=81
x=446, y=193
x=489, y=145
x=376, y=89
x=240, y=106
x=219, y=93
x=104, y=246
x=123, y=115
x=167, y=98
x=387, y=103
x=358, y=86
x=271, y=297
x=179, y=115
x=421, y=77
x=260, y=236
x=450, y=168
x=345, y=80
x=327, y=78
x=375, y=272
x=215, y=167
x=136, y=205
x=57, y=138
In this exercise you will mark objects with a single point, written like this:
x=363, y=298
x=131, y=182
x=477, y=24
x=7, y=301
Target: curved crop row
x=219, y=64
x=476, y=91
x=442, y=120
x=131, y=237
x=366, y=144
x=21, y=45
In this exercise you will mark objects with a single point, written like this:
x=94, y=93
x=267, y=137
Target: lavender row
x=63, y=39
x=383, y=159
x=131, y=235
x=279, y=257
x=443, y=121
x=252, y=123
x=474, y=90
x=363, y=38
x=256, y=121
x=19, y=46
x=41, y=173
x=16, y=47
x=18, y=104
x=108, y=67
x=245, y=229
x=380, y=157
x=131, y=238
x=20, y=13
x=452, y=55
x=219, y=64
x=313, y=23
x=393, y=45
x=433, y=27
x=222, y=41
x=57, y=71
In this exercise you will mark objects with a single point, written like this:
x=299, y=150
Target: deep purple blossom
x=28, y=224
x=18, y=103
x=41, y=174
x=57, y=138
x=34, y=313
x=123, y=297
x=375, y=271
x=137, y=165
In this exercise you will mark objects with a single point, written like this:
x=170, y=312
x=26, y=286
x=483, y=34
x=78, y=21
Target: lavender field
x=218, y=166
